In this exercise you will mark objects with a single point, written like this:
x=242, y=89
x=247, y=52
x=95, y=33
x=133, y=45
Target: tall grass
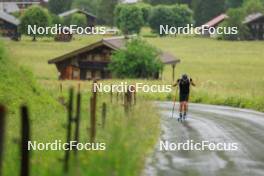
x=128, y=139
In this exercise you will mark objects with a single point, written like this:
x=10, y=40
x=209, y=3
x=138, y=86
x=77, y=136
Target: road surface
x=216, y=124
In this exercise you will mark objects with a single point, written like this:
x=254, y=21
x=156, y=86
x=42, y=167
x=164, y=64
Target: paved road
x=216, y=124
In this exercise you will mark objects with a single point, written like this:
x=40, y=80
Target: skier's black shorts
x=184, y=97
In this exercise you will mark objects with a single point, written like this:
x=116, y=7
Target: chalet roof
x=216, y=20
x=9, y=18
x=9, y=7
x=252, y=17
x=115, y=43
x=70, y=12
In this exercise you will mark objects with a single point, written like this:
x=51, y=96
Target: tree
x=106, y=10
x=161, y=15
x=234, y=3
x=90, y=6
x=236, y=17
x=35, y=15
x=138, y=60
x=146, y=9
x=59, y=6
x=79, y=20
x=253, y=6
x=173, y=16
x=129, y=19
x=182, y=15
x=205, y=10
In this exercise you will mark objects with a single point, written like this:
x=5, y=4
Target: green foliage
x=234, y=3
x=59, y=6
x=205, y=10
x=146, y=9
x=79, y=20
x=129, y=19
x=183, y=15
x=253, y=6
x=34, y=15
x=138, y=60
x=55, y=19
x=177, y=15
x=106, y=10
x=90, y=6
x=236, y=17
x=161, y=15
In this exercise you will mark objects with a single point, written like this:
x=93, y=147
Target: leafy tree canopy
x=34, y=15
x=173, y=16
x=59, y=6
x=129, y=18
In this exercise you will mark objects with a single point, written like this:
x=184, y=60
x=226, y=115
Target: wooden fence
x=127, y=99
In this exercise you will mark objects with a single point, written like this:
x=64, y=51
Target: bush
x=34, y=15
x=129, y=19
x=79, y=20
x=138, y=60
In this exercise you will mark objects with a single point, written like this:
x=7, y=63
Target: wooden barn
x=215, y=22
x=91, y=62
x=255, y=23
x=91, y=19
x=9, y=26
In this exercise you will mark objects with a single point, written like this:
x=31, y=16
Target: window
x=75, y=74
x=88, y=75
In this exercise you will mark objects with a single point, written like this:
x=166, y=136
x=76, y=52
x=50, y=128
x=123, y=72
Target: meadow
x=226, y=73
x=129, y=138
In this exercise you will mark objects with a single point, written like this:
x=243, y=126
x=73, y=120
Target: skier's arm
x=192, y=83
x=176, y=84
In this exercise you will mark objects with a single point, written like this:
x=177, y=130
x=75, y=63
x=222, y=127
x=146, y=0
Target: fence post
x=77, y=120
x=2, y=135
x=68, y=137
x=60, y=87
x=117, y=94
x=126, y=102
x=103, y=114
x=93, y=113
x=25, y=135
x=111, y=95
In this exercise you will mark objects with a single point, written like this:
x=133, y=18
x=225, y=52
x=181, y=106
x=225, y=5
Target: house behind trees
x=91, y=62
x=255, y=23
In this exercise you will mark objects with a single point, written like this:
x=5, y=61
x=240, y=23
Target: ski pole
x=174, y=103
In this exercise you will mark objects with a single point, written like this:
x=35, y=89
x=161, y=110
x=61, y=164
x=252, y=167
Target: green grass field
x=227, y=73
x=128, y=139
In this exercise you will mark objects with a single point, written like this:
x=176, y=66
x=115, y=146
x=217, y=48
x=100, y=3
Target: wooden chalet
x=91, y=62
x=91, y=19
x=215, y=22
x=255, y=23
x=9, y=26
